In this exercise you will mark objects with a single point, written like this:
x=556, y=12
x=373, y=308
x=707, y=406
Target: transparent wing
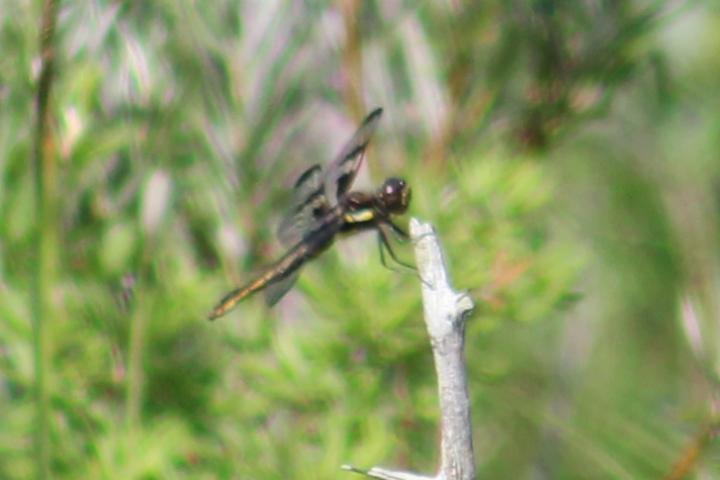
x=276, y=290
x=341, y=172
x=308, y=205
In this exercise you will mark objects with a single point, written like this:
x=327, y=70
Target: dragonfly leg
x=382, y=252
x=402, y=234
x=399, y=232
x=384, y=242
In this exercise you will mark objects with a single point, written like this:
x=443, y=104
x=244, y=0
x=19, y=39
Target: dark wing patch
x=341, y=172
x=308, y=205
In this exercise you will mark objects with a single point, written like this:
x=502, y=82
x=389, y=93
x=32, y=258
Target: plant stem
x=135, y=380
x=45, y=239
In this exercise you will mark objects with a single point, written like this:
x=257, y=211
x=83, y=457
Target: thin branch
x=384, y=474
x=692, y=452
x=45, y=241
x=445, y=314
x=352, y=66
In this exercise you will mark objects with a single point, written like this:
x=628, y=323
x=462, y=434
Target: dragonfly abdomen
x=311, y=246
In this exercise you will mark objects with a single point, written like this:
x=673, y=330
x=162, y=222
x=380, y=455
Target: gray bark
x=445, y=312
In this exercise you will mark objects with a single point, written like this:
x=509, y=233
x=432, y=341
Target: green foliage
x=561, y=149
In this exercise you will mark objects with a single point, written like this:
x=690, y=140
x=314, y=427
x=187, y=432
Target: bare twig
x=384, y=474
x=445, y=314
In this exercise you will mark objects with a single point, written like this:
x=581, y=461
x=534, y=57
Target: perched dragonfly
x=323, y=207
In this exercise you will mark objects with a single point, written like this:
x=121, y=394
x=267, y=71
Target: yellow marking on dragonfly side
x=360, y=216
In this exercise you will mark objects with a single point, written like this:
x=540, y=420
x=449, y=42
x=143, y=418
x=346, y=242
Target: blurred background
x=566, y=151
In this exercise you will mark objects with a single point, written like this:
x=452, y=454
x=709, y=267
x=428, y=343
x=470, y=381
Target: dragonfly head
x=394, y=195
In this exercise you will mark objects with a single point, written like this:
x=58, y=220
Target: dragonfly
x=324, y=207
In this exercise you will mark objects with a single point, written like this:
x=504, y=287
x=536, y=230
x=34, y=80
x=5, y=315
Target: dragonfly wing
x=308, y=205
x=276, y=290
x=342, y=171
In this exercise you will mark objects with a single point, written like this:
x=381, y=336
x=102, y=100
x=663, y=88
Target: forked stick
x=445, y=312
